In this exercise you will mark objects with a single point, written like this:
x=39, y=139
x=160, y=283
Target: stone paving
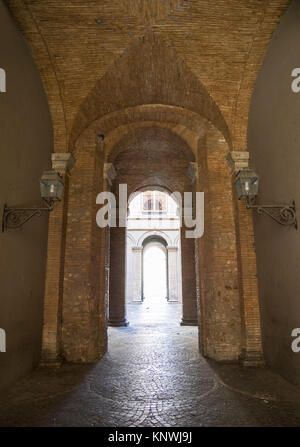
x=152, y=376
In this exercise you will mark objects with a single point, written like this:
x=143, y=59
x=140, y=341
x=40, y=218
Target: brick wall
x=222, y=43
x=186, y=66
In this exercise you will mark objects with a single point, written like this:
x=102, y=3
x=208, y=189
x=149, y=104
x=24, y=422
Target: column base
x=187, y=322
x=51, y=361
x=252, y=358
x=118, y=323
x=47, y=364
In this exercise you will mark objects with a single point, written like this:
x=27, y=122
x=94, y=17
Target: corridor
x=135, y=126
x=152, y=376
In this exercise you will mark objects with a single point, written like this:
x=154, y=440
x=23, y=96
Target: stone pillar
x=117, y=281
x=251, y=329
x=237, y=160
x=172, y=274
x=189, y=296
x=137, y=274
x=188, y=266
x=109, y=174
x=84, y=336
x=51, y=344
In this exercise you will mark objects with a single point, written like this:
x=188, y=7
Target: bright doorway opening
x=153, y=257
x=155, y=272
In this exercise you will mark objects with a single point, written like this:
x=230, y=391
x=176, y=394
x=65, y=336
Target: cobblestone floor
x=152, y=376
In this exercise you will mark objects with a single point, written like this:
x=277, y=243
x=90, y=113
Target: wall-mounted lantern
x=246, y=184
x=51, y=186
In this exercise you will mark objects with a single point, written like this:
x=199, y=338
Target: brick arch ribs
x=227, y=288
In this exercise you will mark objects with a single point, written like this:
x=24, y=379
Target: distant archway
x=155, y=279
x=141, y=221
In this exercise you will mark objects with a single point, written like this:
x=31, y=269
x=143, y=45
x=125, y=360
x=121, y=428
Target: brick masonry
x=222, y=43
x=114, y=67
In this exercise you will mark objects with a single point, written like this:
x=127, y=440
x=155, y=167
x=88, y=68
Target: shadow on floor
x=152, y=375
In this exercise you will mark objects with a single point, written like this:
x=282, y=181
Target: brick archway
x=75, y=321
x=161, y=158
x=221, y=332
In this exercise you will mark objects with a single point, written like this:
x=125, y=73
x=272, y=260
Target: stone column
x=252, y=353
x=189, y=296
x=109, y=174
x=84, y=289
x=117, y=281
x=188, y=265
x=137, y=274
x=172, y=274
x=51, y=344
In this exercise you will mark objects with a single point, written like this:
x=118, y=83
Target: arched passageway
x=153, y=218
x=155, y=265
x=159, y=105
x=153, y=257
x=169, y=158
x=174, y=141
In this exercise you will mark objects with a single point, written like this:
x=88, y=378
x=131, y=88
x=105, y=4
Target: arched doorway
x=170, y=159
x=155, y=284
x=147, y=224
x=230, y=323
x=153, y=262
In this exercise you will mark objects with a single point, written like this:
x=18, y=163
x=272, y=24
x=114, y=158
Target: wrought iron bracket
x=17, y=217
x=283, y=214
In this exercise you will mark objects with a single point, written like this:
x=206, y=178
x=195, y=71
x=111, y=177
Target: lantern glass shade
x=246, y=184
x=51, y=186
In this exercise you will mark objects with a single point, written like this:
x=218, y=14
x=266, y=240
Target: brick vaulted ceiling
x=74, y=42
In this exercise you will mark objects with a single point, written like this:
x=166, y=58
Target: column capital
x=193, y=171
x=62, y=162
x=137, y=248
x=100, y=145
x=172, y=248
x=109, y=172
x=237, y=160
